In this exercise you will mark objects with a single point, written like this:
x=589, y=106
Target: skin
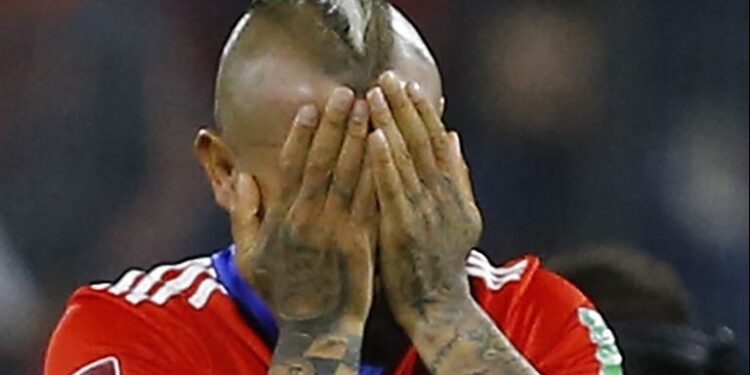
x=428, y=223
x=318, y=206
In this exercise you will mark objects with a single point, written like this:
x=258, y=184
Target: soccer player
x=352, y=248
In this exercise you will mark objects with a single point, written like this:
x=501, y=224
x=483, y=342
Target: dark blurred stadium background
x=586, y=123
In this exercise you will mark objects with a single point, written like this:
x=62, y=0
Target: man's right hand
x=314, y=251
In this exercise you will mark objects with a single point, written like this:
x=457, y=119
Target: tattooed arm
x=461, y=339
x=312, y=256
x=429, y=222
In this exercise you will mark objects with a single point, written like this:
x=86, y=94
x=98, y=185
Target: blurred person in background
x=96, y=98
x=312, y=222
x=650, y=310
x=624, y=121
x=20, y=308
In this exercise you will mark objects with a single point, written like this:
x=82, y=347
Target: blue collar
x=255, y=310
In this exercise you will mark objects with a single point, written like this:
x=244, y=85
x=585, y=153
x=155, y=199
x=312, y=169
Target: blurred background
x=587, y=124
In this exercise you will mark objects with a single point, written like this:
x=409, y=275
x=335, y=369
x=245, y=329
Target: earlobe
x=218, y=163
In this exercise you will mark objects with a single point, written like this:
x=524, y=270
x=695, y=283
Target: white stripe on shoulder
x=200, y=298
x=177, y=285
x=495, y=278
x=138, y=286
x=140, y=292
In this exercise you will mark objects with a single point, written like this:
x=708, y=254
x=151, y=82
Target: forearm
x=461, y=339
x=309, y=348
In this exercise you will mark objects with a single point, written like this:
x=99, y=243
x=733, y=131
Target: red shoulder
x=136, y=325
x=546, y=317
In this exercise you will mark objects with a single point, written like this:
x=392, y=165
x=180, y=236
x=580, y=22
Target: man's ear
x=441, y=110
x=219, y=164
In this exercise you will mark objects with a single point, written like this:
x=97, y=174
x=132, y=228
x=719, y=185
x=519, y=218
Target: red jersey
x=200, y=317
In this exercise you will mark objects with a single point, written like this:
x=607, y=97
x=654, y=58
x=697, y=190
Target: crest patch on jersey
x=105, y=366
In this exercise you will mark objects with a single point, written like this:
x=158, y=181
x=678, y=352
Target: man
x=648, y=305
x=352, y=248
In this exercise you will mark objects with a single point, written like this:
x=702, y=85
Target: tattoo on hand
x=312, y=258
x=429, y=219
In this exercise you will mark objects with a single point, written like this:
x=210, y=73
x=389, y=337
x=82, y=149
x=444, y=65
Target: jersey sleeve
x=551, y=323
x=102, y=336
x=580, y=341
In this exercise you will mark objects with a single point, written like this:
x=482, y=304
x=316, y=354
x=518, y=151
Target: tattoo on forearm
x=302, y=354
x=469, y=343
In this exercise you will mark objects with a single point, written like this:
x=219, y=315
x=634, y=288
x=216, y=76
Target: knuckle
x=408, y=238
x=403, y=157
x=357, y=131
x=287, y=166
x=344, y=177
x=318, y=167
x=382, y=158
x=400, y=103
x=439, y=142
x=341, y=193
x=390, y=192
x=423, y=143
x=312, y=191
x=297, y=221
x=337, y=118
x=298, y=229
x=382, y=116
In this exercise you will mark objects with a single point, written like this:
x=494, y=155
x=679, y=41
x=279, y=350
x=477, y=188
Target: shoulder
x=546, y=317
x=138, y=317
x=521, y=280
x=187, y=284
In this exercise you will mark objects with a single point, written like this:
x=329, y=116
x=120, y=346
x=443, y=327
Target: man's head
x=287, y=53
x=626, y=284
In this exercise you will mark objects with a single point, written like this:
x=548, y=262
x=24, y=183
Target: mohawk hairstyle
x=356, y=22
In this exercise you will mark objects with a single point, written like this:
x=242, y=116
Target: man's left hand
x=429, y=218
x=429, y=222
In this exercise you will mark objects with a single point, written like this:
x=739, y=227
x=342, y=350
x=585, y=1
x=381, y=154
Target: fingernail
x=390, y=83
x=414, y=90
x=359, y=113
x=341, y=99
x=307, y=116
x=377, y=100
x=379, y=135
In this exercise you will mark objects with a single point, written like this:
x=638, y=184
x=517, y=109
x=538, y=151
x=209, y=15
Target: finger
x=460, y=170
x=350, y=162
x=383, y=120
x=390, y=190
x=410, y=123
x=433, y=123
x=295, y=150
x=364, y=203
x=364, y=210
x=327, y=144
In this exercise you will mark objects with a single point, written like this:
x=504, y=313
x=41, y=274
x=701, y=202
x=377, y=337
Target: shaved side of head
x=286, y=53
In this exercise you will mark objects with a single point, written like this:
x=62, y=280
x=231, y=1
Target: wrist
x=441, y=323
x=312, y=347
x=441, y=309
x=343, y=325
